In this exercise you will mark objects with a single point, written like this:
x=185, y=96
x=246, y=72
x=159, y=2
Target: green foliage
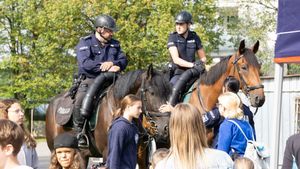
x=38, y=38
x=293, y=68
x=256, y=19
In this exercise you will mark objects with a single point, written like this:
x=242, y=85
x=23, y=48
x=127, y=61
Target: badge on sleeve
x=83, y=48
x=136, y=138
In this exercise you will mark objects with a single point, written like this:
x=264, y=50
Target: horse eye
x=150, y=90
x=244, y=67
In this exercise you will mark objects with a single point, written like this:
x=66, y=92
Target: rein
x=148, y=115
x=200, y=98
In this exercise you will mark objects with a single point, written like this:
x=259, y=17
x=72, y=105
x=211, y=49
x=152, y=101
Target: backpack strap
x=242, y=130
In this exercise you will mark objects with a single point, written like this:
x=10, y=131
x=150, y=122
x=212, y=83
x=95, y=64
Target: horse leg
x=51, y=129
x=142, y=155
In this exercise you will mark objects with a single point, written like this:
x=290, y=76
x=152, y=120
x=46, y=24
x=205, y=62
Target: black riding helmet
x=105, y=21
x=184, y=17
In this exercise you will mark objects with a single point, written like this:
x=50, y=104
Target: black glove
x=199, y=66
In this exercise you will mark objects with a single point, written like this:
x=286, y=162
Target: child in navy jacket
x=123, y=135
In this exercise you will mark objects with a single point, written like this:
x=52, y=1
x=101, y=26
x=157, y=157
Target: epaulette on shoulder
x=114, y=41
x=193, y=32
x=86, y=37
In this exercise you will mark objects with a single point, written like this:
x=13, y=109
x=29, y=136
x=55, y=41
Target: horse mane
x=129, y=81
x=210, y=77
x=125, y=83
x=215, y=72
x=161, y=83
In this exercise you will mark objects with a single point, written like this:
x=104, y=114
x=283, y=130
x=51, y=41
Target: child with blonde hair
x=189, y=149
x=243, y=163
x=234, y=128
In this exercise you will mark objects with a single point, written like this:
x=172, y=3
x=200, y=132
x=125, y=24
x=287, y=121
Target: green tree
x=38, y=38
x=146, y=24
x=257, y=21
x=38, y=63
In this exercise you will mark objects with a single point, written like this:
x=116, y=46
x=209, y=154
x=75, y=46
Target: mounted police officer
x=183, y=44
x=96, y=53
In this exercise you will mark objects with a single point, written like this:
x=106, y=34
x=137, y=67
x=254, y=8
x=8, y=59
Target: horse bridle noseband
x=246, y=88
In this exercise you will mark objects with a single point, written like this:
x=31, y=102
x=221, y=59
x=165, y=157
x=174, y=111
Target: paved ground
x=43, y=154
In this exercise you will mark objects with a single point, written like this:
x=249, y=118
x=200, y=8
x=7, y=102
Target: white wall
x=291, y=90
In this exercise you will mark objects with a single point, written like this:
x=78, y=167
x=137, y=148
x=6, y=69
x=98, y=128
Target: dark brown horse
x=244, y=66
x=154, y=90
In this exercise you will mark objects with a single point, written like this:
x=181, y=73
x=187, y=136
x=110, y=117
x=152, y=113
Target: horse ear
x=242, y=47
x=255, y=47
x=149, y=72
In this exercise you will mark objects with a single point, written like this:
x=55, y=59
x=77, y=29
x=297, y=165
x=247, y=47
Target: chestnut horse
x=244, y=66
x=154, y=90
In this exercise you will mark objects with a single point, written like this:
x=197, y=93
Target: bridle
x=246, y=88
x=149, y=115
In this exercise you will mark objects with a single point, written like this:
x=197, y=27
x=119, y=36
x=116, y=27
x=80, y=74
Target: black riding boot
x=78, y=127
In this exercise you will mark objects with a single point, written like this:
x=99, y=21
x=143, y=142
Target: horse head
x=247, y=69
x=155, y=90
x=244, y=66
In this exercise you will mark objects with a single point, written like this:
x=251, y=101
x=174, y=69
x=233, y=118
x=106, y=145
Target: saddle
x=93, y=96
x=66, y=107
x=66, y=103
x=64, y=111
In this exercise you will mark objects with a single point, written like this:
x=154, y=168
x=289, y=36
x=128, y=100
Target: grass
x=40, y=139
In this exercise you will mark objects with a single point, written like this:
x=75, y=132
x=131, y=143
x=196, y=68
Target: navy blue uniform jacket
x=186, y=47
x=91, y=54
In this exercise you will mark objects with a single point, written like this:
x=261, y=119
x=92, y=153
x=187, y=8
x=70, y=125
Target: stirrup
x=83, y=135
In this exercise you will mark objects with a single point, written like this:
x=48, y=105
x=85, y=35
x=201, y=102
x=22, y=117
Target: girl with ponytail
x=123, y=134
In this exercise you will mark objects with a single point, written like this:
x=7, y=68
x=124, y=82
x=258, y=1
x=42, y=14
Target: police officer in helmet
x=96, y=53
x=183, y=45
